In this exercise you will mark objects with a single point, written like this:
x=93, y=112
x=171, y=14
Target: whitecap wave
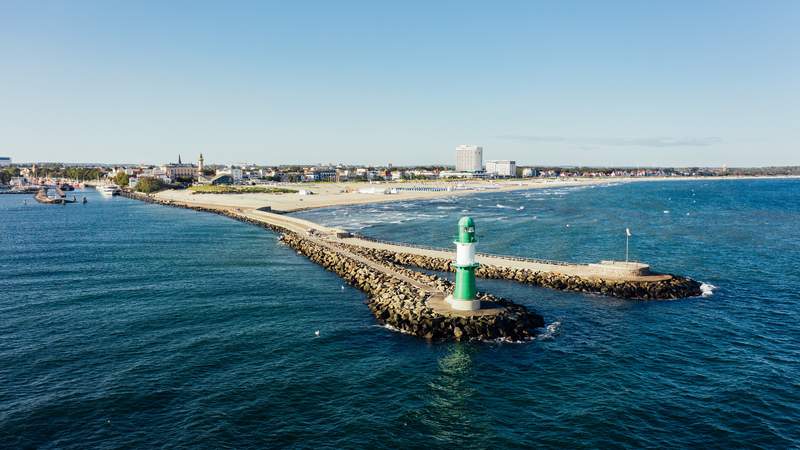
x=550, y=331
x=386, y=326
x=707, y=289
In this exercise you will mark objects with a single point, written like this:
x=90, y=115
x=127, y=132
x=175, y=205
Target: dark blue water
x=125, y=324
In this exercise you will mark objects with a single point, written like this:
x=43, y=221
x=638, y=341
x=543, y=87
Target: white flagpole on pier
x=627, y=238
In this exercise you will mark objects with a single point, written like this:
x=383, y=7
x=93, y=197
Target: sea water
x=129, y=324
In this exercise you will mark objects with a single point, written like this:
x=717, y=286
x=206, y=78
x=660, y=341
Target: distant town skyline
x=563, y=84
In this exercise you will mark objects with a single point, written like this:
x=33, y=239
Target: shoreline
x=328, y=195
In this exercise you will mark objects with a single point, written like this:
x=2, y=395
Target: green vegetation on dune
x=209, y=189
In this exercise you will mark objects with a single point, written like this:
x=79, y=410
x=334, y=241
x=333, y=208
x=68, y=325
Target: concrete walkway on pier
x=605, y=270
x=436, y=298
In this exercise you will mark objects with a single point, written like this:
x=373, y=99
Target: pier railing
x=486, y=255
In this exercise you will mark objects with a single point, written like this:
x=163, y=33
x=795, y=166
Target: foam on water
x=550, y=331
x=707, y=289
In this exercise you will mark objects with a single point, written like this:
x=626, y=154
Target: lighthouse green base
x=465, y=283
x=463, y=298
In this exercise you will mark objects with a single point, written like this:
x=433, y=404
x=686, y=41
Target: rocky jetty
x=397, y=303
x=672, y=288
x=407, y=308
x=222, y=212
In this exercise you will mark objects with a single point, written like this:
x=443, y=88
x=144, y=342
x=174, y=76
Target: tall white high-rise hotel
x=469, y=158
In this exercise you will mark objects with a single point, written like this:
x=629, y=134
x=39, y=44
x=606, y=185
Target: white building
x=234, y=172
x=155, y=172
x=469, y=158
x=501, y=168
x=369, y=174
x=19, y=181
x=448, y=174
x=5, y=161
x=126, y=170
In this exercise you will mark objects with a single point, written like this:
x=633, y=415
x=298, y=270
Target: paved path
x=617, y=271
x=436, y=298
x=611, y=271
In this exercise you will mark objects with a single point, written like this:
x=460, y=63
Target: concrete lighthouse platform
x=442, y=305
x=462, y=305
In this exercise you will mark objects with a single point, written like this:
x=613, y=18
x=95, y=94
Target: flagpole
x=627, y=238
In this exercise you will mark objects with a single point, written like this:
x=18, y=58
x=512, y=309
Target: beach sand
x=340, y=194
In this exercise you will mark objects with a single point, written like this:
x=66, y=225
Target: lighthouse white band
x=465, y=254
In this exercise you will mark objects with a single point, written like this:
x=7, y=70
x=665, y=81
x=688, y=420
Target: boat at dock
x=108, y=190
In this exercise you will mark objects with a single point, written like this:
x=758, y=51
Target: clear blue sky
x=556, y=82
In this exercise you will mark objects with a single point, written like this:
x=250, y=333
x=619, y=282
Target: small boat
x=66, y=187
x=42, y=197
x=108, y=190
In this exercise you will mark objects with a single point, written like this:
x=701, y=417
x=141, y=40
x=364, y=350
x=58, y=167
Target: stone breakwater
x=673, y=288
x=406, y=307
x=149, y=199
x=397, y=303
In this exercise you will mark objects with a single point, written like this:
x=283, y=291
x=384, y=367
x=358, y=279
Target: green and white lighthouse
x=463, y=297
